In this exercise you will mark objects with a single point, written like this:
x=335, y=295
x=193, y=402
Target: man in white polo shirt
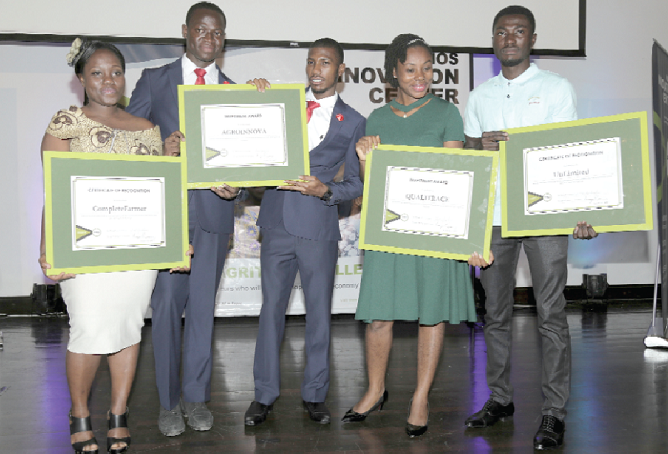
x=523, y=95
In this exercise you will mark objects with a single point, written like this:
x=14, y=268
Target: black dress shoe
x=256, y=413
x=550, y=433
x=491, y=412
x=352, y=416
x=317, y=411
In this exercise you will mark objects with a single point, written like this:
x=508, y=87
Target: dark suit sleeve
x=223, y=79
x=351, y=186
x=140, y=102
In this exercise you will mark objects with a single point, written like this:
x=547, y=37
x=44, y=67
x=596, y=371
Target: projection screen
x=455, y=26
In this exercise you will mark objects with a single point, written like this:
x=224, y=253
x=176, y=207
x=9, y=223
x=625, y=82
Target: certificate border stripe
x=48, y=209
x=646, y=175
x=368, y=182
x=300, y=88
x=648, y=206
x=49, y=156
x=490, y=205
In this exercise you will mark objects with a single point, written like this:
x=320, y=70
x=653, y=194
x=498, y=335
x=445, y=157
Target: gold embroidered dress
x=106, y=309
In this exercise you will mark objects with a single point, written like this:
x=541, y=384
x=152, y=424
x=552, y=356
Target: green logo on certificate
x=391, y=216
x=82, y=233
x=211, y=153
x=533, y=199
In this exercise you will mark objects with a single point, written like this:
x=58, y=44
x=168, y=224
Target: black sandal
x=82, y=425
x=115, y=422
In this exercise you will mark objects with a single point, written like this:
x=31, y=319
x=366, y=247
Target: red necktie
x=200, y=76
x=310, y=107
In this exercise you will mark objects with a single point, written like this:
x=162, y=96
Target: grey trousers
x=194, y=293
x=282, y=254
x=547, y=262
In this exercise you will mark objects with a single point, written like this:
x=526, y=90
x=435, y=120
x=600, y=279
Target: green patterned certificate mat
x=435, y=202
x=241, y=137
x=594, y=170
x=111, y=212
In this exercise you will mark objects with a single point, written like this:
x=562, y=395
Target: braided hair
x=397, y=52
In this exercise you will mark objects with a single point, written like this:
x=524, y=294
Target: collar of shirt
x=325, y=103
x=531, y=71
x=189, y=76
x=322, y=116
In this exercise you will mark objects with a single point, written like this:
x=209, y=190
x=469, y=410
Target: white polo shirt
x=534, y=98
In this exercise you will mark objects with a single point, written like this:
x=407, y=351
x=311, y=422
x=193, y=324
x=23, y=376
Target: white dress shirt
x=189, y=76
x=322, y=116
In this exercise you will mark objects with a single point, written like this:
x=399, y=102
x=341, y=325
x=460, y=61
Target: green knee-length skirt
x=410, y=287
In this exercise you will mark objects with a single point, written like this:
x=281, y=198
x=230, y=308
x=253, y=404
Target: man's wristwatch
x=327, y=195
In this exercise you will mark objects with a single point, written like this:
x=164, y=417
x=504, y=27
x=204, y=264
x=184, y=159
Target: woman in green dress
x=408, y=287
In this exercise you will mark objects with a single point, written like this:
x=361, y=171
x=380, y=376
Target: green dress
x=410, y=287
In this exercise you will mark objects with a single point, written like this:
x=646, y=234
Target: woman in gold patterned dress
x=106, y=310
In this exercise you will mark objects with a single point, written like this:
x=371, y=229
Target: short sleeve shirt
x=534, y=98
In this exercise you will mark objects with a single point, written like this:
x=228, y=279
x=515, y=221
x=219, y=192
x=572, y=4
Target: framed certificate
x=111, y=212
x=435, y=202
x=241, y=137
x=594, y=170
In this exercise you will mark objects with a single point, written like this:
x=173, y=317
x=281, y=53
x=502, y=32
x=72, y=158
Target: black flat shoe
x=491, y=412
x=82, y=425
x=352, y=416
x=318, y=412
x=412, y=430
x=550, y=433
x=256, y=413
x=116, y=422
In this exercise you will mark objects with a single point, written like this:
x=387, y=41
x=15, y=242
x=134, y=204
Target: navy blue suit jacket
x=310, y=217
x=155, y=98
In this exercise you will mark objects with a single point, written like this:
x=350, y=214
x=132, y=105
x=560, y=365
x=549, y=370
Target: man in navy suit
x=300, y=231
x=211, y=215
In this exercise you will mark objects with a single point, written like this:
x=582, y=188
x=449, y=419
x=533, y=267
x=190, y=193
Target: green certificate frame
x=634, y=209
x=290, y=98
x=481, y=166
x=60, y=167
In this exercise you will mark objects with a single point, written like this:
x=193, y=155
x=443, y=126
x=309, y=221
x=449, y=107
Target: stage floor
x=619, y=399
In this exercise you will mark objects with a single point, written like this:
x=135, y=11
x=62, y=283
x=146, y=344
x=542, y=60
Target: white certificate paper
x=245, y=135
x=583, y=176
x=424, y=201
x=117, y=212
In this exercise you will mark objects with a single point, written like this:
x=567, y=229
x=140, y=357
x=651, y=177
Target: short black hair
x=516, y=10
x=329, y=43
x=397, y=52
x=88, y=48
x=204, y=5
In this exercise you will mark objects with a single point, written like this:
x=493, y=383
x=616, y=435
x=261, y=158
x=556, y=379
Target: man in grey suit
x=211, y=215
x=300, y=231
